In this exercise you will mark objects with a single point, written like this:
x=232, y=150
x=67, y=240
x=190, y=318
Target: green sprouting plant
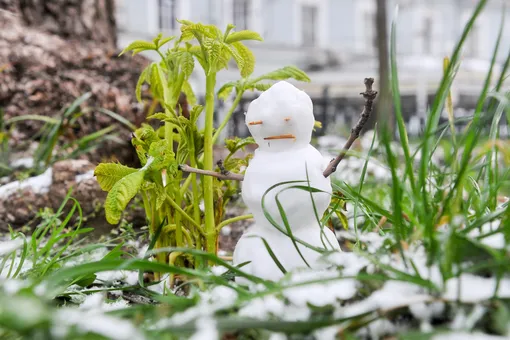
x=171, y=201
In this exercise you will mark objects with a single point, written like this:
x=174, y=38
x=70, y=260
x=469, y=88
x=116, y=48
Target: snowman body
x=281, y=121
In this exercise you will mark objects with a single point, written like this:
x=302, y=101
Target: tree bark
x=54, y=51
x=384, y=111
x=86, y=20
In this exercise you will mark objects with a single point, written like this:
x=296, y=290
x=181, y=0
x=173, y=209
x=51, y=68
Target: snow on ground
x=25, y=162
x=8, y=246
x=496, y=240
x=321, y=293
x=85, y=176
x=38, y=184
x=94, y=321
x=331, y=288
x=206, y=329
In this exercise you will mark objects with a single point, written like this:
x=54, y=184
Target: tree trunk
x=54, y=51
x=72, y=19
x=384, y=111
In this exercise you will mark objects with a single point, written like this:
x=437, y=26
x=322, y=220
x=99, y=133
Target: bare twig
x=369, y=96
x=224, y=176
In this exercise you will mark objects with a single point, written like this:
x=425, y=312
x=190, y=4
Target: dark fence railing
x=338, y=113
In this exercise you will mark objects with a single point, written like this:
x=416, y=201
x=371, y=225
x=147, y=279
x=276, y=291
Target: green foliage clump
x=172, y=200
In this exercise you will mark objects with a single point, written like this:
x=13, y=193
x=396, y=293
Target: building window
x=241, y=14
x=167, y=15
x=427, y=36
x=309, y=15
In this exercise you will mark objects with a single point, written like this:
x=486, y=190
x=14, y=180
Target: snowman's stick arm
x=224, y=176
x=369, y=96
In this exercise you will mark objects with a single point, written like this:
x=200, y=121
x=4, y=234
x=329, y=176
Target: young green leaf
x=120, y=195
x=247, y=56
x=213, y=48
x=195, y=113
x=261, y=86
x=108, y=174
x=284, y=73
x=165, y=40
x=158, y=81
x=162, y=153
x=242, y=35
x=139, y=46
x=158, y=115
x=184, y=22
x=139, y=84
x=237, y=57
x=187, y=64
x=157, y=39
x=233, y=145
x=226, y=90
x=188, y=91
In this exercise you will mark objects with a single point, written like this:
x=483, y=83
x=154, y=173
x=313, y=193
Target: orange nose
x=256, y=122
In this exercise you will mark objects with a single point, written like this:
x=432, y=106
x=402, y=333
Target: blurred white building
x=334, y=40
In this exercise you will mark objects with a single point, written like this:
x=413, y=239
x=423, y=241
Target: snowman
x=281, y=121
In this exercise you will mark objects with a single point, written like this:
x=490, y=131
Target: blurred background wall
x=336, y=42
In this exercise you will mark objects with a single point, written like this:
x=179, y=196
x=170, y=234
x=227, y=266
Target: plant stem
x=227, y=117
x=207, y=181
x=225, y=120
x=194, y=185
x=232, y=220
x=177, y=218
x=147, y=207
x=179, y=209
x=185, y=185
x=160, y=257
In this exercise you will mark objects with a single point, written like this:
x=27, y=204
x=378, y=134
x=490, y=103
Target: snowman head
x=281, y=118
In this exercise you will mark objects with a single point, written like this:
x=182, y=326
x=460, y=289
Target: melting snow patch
x=226, y=230
x=7, y=247
x=351, y=262
x=321, y=293
x=206, y=330
x=96, y=302
x=393, y=294
x=39, y=184
x=475, y=289
x=25, y=162
x=466, y=336
x=12, y=286
x=496, y=241
x=262, y=308
x=219, y=270
x=218, y=298
x=95, y=322
x=328, y=333
x=130, y=277
x=85, y=176
x=278, y=336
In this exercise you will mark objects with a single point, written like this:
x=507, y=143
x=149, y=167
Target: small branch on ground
x=369, y=96
x=229, y=176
